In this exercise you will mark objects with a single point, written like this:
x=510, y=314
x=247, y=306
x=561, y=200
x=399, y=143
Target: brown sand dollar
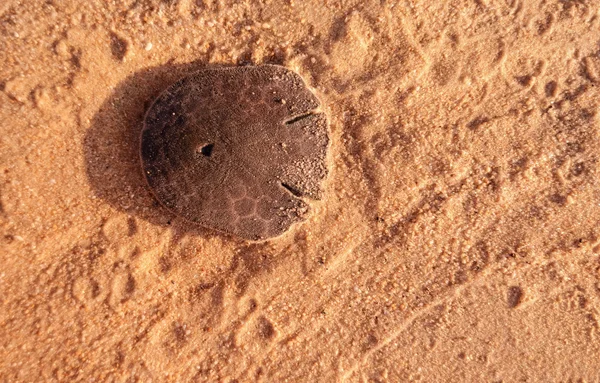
x=240, y=150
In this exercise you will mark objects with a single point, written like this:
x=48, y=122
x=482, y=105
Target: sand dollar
x=241, y=150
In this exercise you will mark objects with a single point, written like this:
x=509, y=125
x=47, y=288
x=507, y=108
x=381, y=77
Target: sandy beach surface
x=458, y=235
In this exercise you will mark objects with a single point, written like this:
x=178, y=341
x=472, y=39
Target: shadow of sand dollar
x=236, y=149
x=112, y=143
x=240, y=156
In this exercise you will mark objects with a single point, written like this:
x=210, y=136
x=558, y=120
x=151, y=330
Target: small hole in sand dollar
x=206, y=150
x=292, y=189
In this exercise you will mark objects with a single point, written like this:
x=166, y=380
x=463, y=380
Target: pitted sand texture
x=456, y=237
x=235, y=149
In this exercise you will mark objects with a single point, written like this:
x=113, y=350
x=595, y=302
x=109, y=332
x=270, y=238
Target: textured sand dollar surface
x=235, y=149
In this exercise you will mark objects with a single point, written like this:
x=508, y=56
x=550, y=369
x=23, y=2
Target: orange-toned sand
x=458, y=238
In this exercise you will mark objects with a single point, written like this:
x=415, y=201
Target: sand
x=457, y=238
